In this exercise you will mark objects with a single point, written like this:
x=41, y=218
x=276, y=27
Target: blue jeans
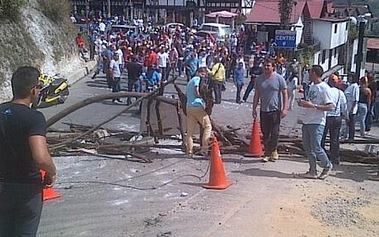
x=361, y=117
x=312, y=135
x=376, y=110
x=20, y=209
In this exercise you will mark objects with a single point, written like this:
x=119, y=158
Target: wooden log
x=80, y=104
x=159, y=120
x=102, y=97
x=184, y=144
x=219, y=133
x=91, y=100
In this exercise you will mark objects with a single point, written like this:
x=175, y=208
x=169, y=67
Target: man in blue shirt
x=192, y=64
x=196, y=113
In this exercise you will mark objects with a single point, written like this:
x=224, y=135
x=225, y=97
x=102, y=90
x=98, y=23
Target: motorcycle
x=54, y=91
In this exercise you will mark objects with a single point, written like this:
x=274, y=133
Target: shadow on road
x=355, y=172
x=264, y=173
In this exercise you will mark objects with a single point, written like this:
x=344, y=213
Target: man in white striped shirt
x=334, y=120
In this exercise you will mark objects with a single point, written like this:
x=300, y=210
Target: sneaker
x=325, y=172
x=266, y=159
x=308, y=175
x=274, y=155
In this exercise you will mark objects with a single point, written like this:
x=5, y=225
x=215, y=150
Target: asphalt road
x=115, y=197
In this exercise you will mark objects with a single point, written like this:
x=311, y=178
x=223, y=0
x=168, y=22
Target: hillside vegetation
x=37, y=33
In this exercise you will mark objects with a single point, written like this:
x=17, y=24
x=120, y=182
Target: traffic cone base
x=217, y=176
x=219, y=187
x=50, y=193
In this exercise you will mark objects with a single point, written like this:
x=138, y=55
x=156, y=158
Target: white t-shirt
x=339, y=100
x=352, y=95
x=120, y=56
x=102, y=26
x=203, y=61
x=306, y=77
x=292, y=83
x=115, y=67
x=319, y=94
x=162, y=59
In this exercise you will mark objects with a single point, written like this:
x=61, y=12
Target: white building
x=332, y=35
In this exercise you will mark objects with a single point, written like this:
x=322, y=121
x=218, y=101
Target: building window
x=323, y=55
x=335, y=28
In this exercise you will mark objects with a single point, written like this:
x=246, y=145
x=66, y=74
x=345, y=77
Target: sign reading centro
x=285, y=39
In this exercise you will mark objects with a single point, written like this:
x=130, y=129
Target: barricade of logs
x=117, y=144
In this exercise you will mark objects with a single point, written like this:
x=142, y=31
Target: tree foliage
x=57, y=10
x=10, y=9
x=285, y=11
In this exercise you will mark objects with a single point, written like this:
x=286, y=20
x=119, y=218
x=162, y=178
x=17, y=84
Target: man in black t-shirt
x=134, y=72
x=255, y=71
x=23, y=152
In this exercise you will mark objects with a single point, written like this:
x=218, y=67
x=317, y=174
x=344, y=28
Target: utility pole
x=361, y=32
x=109, y=8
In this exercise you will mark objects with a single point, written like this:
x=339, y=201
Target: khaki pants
x=194, y=116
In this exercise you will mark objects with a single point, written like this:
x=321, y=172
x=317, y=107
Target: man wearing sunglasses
x=23, y=152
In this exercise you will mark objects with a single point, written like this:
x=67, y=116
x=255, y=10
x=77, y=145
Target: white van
x=221, y=29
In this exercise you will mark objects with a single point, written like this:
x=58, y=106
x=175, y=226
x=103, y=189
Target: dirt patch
x=339, y=211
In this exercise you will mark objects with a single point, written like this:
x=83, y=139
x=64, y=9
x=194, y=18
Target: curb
x=81, y=73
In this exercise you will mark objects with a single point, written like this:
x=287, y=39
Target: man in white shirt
x=352, y=97
x=334, y=120
x=115, y=74
x=319, y=101
x=102, y=27
x=120, y=58
x=162, y=63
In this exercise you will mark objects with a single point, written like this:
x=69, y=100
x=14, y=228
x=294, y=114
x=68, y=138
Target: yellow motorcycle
x=55, y=91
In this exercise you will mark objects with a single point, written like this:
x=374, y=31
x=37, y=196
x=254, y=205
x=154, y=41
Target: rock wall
x=36, y=40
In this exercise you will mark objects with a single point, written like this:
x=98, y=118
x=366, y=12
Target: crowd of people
x=163, y=51
x=153, y=54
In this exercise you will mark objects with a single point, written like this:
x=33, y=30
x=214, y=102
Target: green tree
x=10, y=9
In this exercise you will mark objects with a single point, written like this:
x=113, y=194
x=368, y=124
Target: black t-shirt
x=17, y=123
x=134, y=70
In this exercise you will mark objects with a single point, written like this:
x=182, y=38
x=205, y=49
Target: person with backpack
x=218, y=79
x=197, y=114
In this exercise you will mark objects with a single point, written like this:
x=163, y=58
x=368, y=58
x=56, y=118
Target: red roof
x=373, y=43
x=267, y=11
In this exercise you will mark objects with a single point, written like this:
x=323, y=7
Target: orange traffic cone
x=255, y=148
x=217, y=177
x=48, y=192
